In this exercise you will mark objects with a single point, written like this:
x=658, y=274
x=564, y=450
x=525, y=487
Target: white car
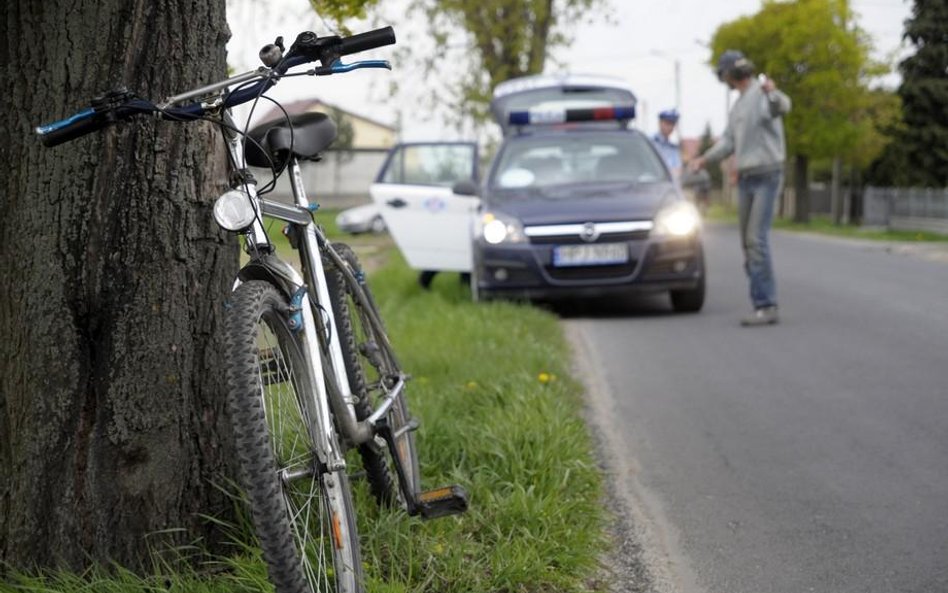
x=361, y=219
x=428, y=220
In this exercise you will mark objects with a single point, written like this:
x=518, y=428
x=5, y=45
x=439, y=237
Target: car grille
x=592, y=272
x=574, y=239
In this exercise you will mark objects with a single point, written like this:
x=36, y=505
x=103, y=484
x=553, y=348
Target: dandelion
x=471, y=385
x=545, y=378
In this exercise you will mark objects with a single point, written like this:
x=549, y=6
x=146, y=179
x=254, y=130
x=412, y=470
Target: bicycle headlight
x=678, y=220
x=498, y=228
x=234, y=211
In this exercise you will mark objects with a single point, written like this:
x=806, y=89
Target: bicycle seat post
x=296, y=183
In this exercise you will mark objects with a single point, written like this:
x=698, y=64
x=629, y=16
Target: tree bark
x=837, y=202
x=112, y=423
x=801, y=188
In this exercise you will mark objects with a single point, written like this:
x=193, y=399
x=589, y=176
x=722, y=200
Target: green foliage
x=922, y=152
x=820, y=58
x=707, y=141
x=500, y=39
x=337, y=11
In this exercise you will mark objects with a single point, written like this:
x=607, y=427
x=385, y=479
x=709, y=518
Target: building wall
x=340, y=180
x=367, y=134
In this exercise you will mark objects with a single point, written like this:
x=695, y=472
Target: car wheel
x=378, y=225
x=689, y=301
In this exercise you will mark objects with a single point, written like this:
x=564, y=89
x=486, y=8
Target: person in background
x=755, y=136
x=671, y=152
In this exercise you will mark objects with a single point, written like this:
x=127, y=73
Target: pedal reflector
x=440, y=502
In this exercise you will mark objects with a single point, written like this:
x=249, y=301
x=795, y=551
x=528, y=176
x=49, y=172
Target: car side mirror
x=465, y=187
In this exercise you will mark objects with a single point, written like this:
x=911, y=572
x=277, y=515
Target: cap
x=669, y=115
x=734, y=62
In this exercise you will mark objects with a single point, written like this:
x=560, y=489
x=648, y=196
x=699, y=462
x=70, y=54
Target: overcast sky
x=640, y=42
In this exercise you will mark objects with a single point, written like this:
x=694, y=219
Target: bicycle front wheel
x=302, y=513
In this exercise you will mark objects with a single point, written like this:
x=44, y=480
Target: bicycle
x=311, y=372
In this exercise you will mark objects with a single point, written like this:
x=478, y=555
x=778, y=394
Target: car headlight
x=678, y=220
x=498, y=228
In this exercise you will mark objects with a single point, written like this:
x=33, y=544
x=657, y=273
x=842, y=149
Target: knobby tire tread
x=256, y=458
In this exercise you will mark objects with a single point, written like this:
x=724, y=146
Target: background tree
x=706, y=142
x=112, y=423
x=918, y=156
x=498, y=40
x=338, y=11
x=820, y=58
x=343, y=144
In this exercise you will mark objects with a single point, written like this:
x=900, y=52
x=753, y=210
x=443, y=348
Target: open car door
x=430, y=223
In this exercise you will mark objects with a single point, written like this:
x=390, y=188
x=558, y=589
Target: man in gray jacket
x=755, y=135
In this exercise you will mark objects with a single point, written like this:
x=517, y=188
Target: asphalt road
x=809, y=456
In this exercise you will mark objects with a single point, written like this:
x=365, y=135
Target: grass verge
x=499, y=415
x=823, y=225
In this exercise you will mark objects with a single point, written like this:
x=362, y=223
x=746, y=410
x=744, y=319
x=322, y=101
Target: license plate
x=602, y=254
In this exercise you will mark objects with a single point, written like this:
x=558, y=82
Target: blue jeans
x=757, y=195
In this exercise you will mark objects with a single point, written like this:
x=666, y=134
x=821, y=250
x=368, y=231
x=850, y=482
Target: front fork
x=283, y=275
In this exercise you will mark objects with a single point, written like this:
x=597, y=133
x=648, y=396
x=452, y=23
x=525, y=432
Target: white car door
x=430, y=223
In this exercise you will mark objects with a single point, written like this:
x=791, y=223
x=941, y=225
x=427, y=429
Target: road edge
x=644, y=558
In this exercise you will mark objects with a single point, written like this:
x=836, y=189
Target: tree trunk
x=112, y=419
x=837, y=203
x=801, y=188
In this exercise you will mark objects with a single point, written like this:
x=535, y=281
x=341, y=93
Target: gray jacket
x=754, y=131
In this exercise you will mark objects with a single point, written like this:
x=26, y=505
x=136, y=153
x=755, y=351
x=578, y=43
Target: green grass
x=499, y=415
x=823, y=225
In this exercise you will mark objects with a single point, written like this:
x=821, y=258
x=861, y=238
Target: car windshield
x=540, y=162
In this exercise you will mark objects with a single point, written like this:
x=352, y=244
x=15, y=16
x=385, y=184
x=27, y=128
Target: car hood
x=573, y=204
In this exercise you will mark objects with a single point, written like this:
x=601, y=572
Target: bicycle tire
x=357, y=335
x=306, y=526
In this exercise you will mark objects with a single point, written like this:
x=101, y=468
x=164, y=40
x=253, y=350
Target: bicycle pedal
x=441, y=502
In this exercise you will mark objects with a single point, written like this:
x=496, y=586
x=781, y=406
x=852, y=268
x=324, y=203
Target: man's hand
x=767, y=84
x=696, y=164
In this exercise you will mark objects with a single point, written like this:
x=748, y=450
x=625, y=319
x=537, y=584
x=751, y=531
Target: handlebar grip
x=73, y=131
x=366, y=41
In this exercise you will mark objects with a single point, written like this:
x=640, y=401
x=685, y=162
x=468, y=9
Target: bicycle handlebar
x=307, y=48
x=366, y=41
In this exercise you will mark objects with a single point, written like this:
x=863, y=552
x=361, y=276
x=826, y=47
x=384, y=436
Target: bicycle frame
x=311, y=247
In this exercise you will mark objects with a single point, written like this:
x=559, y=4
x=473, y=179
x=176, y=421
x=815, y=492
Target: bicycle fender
x=271, y=269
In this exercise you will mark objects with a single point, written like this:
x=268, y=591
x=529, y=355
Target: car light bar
x=537, y=117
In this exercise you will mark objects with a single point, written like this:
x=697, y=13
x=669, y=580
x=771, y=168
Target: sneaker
x=762, y=316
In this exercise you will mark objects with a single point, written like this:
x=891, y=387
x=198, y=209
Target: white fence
x=916, y=209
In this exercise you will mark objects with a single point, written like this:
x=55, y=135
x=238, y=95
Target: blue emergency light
x=560, y=116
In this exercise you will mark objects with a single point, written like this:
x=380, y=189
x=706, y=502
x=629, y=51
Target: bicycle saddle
x=312, y=133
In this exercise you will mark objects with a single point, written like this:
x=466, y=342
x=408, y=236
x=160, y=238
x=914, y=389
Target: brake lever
x=338, y=67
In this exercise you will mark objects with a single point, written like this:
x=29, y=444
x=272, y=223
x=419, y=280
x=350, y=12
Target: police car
x=577, y=203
